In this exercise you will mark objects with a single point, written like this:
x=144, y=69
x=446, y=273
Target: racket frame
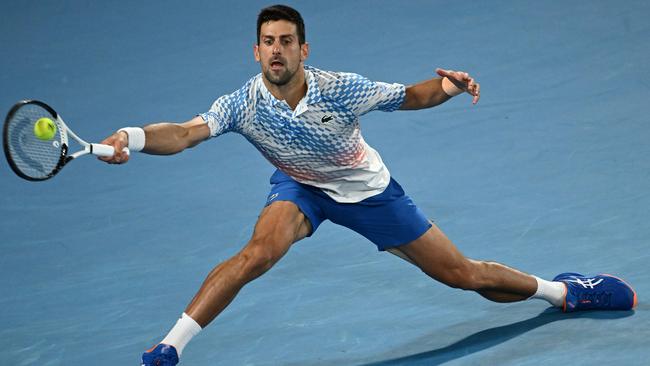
x=64, y=130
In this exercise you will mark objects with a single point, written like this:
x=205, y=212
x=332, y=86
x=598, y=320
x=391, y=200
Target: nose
x=276, y=48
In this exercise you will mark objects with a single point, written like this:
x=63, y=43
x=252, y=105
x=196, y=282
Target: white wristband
x=450, y=88
x=136, y=137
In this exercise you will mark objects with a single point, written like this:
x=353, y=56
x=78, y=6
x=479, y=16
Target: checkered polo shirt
x=319, y=143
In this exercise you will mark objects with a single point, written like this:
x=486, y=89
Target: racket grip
x=105, y=150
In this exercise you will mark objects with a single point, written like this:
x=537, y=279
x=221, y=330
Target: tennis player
x=305, y=121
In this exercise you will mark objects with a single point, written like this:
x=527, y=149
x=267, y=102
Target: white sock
x=551, y=291
x=182, y=333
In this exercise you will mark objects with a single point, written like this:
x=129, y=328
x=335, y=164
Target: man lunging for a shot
x=305, y=121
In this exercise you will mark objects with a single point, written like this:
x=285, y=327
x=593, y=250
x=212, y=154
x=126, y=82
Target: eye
x=286, y=40
x=268, y=41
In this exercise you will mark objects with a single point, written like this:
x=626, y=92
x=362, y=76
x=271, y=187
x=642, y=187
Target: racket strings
x=34, y=157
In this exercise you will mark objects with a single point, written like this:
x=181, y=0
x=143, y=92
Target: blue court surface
x=549, y=173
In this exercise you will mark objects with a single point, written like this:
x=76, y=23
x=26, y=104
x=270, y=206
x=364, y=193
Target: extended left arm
x=436, y=91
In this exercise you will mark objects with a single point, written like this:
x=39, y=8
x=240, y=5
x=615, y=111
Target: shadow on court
x=488, y=338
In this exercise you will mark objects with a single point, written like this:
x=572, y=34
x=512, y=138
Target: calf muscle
x=439, y=258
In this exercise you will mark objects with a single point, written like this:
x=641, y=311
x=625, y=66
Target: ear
x=256, y=52
x=304, y=51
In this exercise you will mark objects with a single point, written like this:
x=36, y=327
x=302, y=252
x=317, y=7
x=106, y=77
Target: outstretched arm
x=161, y=139
x=436, y=91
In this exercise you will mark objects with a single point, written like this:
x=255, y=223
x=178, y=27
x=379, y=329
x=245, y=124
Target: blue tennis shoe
x=600, y=292
x=160, y=355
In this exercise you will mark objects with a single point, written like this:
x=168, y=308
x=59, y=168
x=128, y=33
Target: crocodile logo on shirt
x=327, y=118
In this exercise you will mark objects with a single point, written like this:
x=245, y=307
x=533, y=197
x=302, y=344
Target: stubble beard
x=281, y=79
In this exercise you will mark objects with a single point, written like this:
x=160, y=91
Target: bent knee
x=256, y=259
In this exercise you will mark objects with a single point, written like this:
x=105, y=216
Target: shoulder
x=250, y=90
x=246, y=95
x=332, y=78
x=333, y=84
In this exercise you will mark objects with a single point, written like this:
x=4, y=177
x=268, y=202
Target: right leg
x=279, y=226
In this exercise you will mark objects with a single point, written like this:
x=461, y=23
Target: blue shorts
x=389, y=219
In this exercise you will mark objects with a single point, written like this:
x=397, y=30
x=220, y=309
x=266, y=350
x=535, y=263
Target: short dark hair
x=281, y=12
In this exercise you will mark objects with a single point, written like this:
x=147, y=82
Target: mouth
x=276, y=65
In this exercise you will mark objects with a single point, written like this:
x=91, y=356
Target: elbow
x=411, y=100
x=416, y=98
x=193, y=135
x=184, y=140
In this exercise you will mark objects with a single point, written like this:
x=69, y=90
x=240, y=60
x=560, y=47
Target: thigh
x=279, y=226
x=309, y=204
x=435, y=254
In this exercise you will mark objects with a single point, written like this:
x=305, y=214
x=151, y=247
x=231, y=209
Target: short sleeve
x=362, y=95
x=220, y=116
x=227, y=111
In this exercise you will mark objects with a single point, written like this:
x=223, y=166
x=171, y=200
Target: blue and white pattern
x=319, y=143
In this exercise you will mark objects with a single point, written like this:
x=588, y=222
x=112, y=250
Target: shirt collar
x=313, y=91
x=266, y=94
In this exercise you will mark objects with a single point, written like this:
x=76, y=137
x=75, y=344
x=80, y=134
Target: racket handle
x=105, y=150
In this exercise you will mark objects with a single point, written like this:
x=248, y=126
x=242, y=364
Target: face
x=279, y=53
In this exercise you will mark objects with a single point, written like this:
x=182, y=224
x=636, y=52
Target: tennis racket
x=35, y=159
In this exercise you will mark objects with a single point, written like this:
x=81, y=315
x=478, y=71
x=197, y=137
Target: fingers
x=459, y=78
x=120, y=157
x=119, y=140
x=474, y=89
x=454, y=75
x=442, y=72
x=463, y=81
x=476, y=93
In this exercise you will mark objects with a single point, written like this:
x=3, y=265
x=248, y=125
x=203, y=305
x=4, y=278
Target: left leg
x=439, y=258
x=391, y=218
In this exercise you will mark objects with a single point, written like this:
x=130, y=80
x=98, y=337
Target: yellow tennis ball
x=44, y=129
